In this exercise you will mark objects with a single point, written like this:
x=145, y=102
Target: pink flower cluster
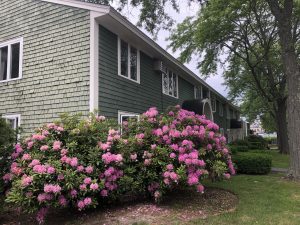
x=26, y=180
x=184, y=133
x=52, y=188
x=83, y=203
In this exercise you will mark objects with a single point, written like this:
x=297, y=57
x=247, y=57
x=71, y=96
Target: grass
x=279, y=160
x=263, y=200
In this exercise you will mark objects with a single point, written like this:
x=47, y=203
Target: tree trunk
x=292, y=71
x=282, y=135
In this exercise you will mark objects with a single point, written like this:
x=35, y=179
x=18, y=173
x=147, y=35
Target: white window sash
x=14, y=117
x=128, y=75
x=122, y=114
x=168, y=85
x=9, y=58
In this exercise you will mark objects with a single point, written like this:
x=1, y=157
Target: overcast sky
x=185, y=10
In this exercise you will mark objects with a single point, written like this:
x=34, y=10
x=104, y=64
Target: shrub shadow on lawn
x=180, y=206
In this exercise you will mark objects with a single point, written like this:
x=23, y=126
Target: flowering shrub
x=177, y=147
x=80, y=163
x=65, y=164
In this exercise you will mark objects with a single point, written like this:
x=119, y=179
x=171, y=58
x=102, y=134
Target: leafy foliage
x=7, y=140
x=251, y=163
x=81, y=163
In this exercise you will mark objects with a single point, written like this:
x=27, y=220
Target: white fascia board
x=81, y=5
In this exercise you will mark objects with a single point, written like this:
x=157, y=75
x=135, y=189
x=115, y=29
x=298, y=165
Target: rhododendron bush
x=81, y=163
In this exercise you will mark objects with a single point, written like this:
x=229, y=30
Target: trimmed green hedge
x=253, y=163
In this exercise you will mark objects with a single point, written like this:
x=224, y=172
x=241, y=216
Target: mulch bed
x=180, y=206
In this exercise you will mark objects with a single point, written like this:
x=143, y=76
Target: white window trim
x=13, y=116
x=162, y=84
x=221, y=112
x=195, y=91
x=127, y=114
x=9, y=43
x=138, y=67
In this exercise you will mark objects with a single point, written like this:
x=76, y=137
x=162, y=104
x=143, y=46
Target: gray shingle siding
x=55, y=60
x=118, y=93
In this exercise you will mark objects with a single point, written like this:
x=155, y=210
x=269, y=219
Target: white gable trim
x=81, y=5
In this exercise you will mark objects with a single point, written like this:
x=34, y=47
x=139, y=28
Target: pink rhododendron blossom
x=200, y=188
x=40, y=216
x=60, y=177
x=87, y=180
x=39, y=169
x=29, y=144
x=80, y=205
x=226, y=176
x=94, y=186
x=56, y=145
x=170, y=167
x=104, y=193
x=26, y=157
x=100, y=118
x=89, y=169
x=147, y=162
x=74, y=162
x=172, y=155
x=87, y=201
x=50, y=170
x=26, y=180
x=51, y=188
x=133, y=157
x=44, y=147
x=7, y=177
x=73, y=193
x=34, y=162
x=80, y=168
x=62, y=200
x=82, y=187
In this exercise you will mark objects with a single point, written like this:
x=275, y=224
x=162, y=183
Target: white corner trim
x=94, y=61
x=81, y=5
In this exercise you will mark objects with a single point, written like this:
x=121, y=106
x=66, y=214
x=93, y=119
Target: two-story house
x=61, y=56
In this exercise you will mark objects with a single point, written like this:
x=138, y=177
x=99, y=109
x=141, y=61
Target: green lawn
x=263, y=200
x=279, y=160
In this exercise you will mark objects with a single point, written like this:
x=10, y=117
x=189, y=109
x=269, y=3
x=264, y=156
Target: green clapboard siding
x=118, y=93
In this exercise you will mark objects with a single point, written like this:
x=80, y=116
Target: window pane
x=3, y=63
x=171, y=88
x=124, y=58
x=165, y=83
x=175, y=85
x=15, y=59
x=133, y=63
x=12, y=123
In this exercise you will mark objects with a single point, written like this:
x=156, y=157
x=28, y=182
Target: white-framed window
x=128, y=61
x=14, y=120
x=221, y=109
x=170, y=84
x=11, y=57
x=213, y=104
x=125, y=116
x=198, y=92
